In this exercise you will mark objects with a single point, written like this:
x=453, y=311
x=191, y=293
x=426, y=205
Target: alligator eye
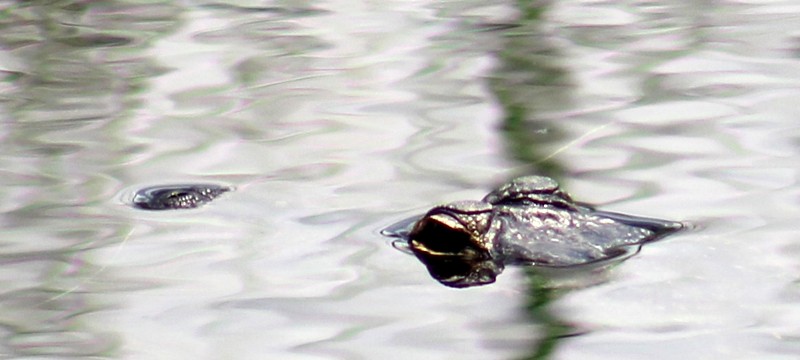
x=435, y=237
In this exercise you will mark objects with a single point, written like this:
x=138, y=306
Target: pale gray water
x=334, y=119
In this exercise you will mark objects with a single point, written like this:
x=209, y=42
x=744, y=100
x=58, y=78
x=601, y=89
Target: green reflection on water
x=540, y=295
x=528, y=82
x=77, y=74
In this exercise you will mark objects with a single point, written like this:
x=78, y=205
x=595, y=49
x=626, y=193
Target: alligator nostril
x=178, y=194
x=172, y=197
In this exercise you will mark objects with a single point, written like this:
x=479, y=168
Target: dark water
x=335, y=119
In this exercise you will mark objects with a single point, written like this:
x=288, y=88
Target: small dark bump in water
x=174, y=197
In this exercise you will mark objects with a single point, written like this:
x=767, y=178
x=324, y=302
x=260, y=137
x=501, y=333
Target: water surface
x=335, y=119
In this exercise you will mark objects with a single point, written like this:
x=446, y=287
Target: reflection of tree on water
x=74, y=71
x=530, y=81
x=543, y=289
x=540, y=295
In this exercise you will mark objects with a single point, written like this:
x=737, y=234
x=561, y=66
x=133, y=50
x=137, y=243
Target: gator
x=527, y=221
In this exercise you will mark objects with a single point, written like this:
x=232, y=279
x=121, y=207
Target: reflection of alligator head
x=528, y=220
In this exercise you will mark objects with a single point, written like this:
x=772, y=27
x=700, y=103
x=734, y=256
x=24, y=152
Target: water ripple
x=335, y=119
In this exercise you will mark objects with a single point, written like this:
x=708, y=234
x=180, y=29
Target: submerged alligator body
x=174, y=197
x=527, y=221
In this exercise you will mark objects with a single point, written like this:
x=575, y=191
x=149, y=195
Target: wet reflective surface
x=528, y=221
x=336, y=119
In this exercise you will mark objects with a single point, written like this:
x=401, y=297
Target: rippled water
x=335, y=119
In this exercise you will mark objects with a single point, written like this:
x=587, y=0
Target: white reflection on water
x=336, y=119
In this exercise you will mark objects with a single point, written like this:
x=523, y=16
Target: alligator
x=526, y=221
